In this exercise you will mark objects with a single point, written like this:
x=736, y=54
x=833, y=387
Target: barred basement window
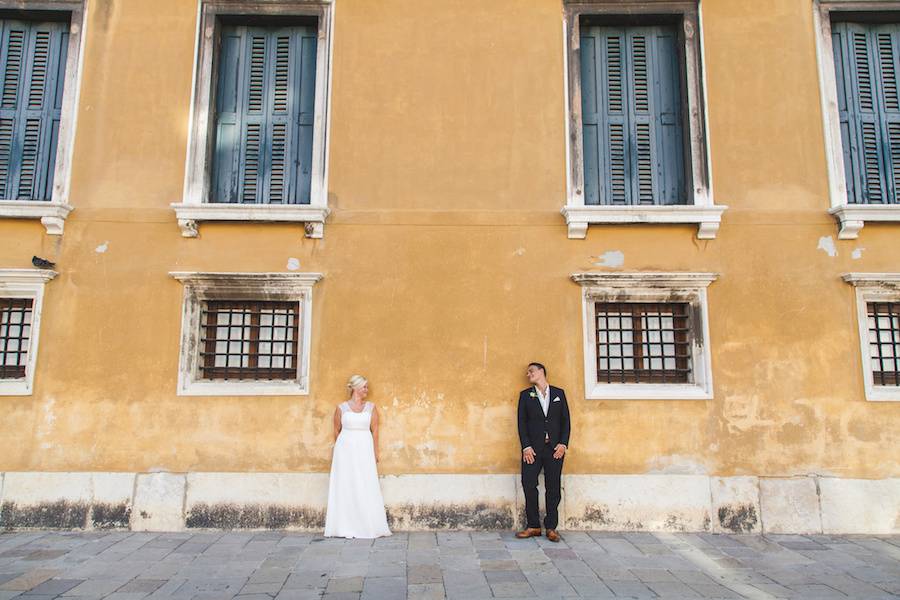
x=246, y=334
x=878, y=318
x=643, y=342
x=249, y=340
x=646, y=335
x=15, y=336
x=884, y=342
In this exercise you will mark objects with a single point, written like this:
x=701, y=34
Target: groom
x=544, y=433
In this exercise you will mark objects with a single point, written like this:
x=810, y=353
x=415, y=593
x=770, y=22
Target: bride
x=355, y=505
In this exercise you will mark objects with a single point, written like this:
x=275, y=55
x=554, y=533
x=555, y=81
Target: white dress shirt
x=544, y=398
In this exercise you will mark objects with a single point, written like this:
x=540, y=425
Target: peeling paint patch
x=293, y=264
x=613, y=259
x=102, y=248
x=857, y=254
x=826, y=245
x=450, y=516
x=519, y=252
x=60, y=514
x=110, y=516
x=253, y=516
x=740, y=518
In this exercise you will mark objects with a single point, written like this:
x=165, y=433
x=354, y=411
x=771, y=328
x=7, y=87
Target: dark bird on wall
x=42, y=263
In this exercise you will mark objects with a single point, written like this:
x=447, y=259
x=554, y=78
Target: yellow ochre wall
x=446, y=261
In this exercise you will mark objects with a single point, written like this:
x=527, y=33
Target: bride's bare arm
x=337, y=422
x=374, y=428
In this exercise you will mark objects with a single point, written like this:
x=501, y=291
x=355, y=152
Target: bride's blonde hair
x=356, y=382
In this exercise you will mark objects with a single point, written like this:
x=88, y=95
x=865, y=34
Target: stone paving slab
x=445, y=565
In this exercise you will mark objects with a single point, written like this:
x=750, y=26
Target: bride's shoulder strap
x=369, y=407
x=343, y=406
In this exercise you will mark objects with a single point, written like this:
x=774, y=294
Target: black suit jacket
x=533, y=424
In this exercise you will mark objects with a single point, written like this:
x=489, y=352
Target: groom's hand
x=528, y=455
x=559, y=451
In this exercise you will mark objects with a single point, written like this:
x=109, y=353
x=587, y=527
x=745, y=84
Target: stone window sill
x=15, y=387
x=648, y=391
x=707, y=218
x=190, y=215
x=52, y=214
x=852, y=217
x=250, y=388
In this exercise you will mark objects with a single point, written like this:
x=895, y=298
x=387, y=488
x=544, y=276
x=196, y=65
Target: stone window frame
x=689, y=288
x=202, y=286
x=29, y=284
x=703, y=210
x=873, y=287
x=850, y=217
x=194, y=206
x=53, y=213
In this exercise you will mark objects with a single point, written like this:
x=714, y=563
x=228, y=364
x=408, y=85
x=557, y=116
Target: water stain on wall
x=450, y=516
x=738, y=518
x=253, y=516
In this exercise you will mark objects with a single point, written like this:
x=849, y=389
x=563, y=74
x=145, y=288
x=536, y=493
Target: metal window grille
x=884, y=342
x=249, y=340
x=643, y=342
x=15, y=336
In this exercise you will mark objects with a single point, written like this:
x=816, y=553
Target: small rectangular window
x=884, y=342
x=32, y=74
x=643, y=342
x=249, y=340
x=15, y=336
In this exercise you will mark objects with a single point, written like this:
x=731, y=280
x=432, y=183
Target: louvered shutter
x=32, y=72
x=887, y=38
x=632, y=116
x=867, y=58
x=264, y=115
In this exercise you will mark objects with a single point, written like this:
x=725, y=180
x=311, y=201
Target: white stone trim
x=25, y=283
x=189, y=215
x=200, y=287
x=873, y=287
x=194, y=206
x=703, y=211
x=53, y=213
x=707, y=218
x=850, y=217
x=630, y=502
x=648, y=287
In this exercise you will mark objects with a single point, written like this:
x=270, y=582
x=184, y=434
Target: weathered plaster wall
x=446, y=261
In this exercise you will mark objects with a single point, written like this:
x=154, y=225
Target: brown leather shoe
x=529, y=532
x=552, y=535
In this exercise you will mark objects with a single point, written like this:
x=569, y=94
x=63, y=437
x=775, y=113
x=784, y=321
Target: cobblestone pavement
x=463, y=565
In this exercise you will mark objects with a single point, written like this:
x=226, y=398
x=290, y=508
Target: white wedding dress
x=355, y=505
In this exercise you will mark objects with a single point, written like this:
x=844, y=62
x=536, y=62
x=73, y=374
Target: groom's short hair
x=539, y=366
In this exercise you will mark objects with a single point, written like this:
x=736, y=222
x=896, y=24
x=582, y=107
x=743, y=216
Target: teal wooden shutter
x=632, y=116
x=265, y=101
x=32, y=74
x=867, y=59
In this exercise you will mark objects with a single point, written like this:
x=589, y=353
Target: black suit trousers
x=552, y=468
